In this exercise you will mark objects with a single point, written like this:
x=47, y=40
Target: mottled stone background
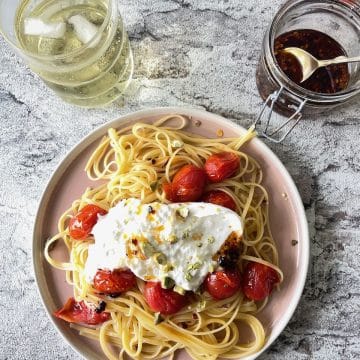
x=201, y=53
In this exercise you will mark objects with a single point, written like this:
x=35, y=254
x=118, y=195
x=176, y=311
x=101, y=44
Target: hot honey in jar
x=330, y=79
x=325, y=29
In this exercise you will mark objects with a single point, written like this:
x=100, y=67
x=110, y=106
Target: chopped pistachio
x=160, y=258
x=168, y=267
x=182, y=211
x=194, y=266
x=186, y=234
x=188, y=276
x=147, y=249
x=177, y=143
x=167, y=282
x=158, y=318
x=179, y=290
x=153, y=185
x=211, y=239
x=201, y=305
x=173, y=239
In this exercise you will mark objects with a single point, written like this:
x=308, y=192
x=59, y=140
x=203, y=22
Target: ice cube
x=84, y=29
x=37, y=27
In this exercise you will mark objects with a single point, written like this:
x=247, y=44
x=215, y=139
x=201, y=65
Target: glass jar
x=340, y=19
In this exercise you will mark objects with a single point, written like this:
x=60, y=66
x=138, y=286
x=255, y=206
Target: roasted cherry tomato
x=82, y=223
x=188, y=184
x=165, y=301
x=222, y=284
x=114, y=282
x=169, y=192
x=218, y=197
x=258, y=281
x=80, y=313
x=221, y=166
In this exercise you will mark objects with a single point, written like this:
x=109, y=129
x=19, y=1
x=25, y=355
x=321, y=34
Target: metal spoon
x=309, y=63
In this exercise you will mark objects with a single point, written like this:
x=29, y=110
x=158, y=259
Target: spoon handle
x=338, y=60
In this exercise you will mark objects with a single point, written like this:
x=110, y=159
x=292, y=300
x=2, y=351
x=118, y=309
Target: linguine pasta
x=134, y=162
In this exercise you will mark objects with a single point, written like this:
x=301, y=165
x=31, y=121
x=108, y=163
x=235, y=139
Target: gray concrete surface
x=198, y=53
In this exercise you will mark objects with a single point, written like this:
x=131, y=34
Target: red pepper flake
x=101, y=307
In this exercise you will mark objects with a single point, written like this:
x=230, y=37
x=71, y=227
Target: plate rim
x=187, y=111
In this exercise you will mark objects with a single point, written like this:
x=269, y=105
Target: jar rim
x=112, y=9
x=290, y=85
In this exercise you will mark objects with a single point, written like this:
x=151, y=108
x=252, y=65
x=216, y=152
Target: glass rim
x=112, y=8
x=290, y=85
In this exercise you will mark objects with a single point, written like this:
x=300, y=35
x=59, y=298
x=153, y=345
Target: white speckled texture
x=200, y=53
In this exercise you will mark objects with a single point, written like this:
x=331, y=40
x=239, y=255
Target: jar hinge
x=270, y=102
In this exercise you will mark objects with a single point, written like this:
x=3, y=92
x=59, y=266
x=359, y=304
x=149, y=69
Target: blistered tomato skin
x=169, y=193
x=187, y=185
x=79, y=313
x=114, y=282
x=258, y=281
x=221, y=166
x=165, y=301
x=222, y=284
x=81, y=224
x=220, y=198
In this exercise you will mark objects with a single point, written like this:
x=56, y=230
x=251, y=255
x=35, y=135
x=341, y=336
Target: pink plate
x=287, y=220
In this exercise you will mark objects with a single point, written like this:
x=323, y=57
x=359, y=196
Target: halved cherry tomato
x=221, y=166
x=80, y=313
x=165, y=301
x=222, y=284
x=82, y=223
x=218, y=197
x=114, y=282
x=187, y=185
x=258, y=281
